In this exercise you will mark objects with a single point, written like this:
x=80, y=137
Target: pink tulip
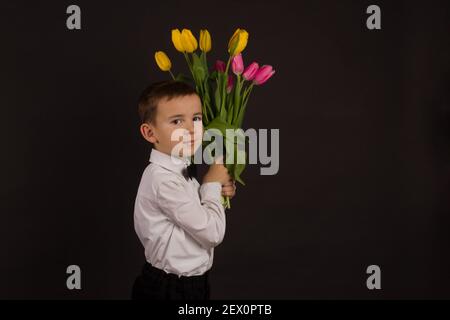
x=263, y=74
x=220, y=66
x=237, y=64
x=250, y=71
x=230, y=84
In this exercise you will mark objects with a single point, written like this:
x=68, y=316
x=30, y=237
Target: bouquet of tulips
x=224, y=96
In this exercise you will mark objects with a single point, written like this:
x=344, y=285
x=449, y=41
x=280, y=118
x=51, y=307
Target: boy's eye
x=197, y=118
x=176, y=121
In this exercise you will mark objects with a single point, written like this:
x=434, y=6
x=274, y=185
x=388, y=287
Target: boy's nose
x=189, y=131
x=190, y=128
x=195, y=129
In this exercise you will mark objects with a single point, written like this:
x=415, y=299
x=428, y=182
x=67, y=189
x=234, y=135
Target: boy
x=177, y=221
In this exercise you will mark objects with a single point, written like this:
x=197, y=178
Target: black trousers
x=156, y=284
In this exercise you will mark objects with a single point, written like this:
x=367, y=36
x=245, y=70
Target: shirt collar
x=170, y=162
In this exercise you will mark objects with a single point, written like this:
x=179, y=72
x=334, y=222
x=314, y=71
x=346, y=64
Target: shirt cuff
x=211, y=190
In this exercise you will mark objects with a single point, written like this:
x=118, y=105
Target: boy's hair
x=157, y=91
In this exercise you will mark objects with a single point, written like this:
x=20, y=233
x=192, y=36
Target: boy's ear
x=148, y=133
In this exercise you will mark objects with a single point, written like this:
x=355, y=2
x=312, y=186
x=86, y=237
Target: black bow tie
x=190, y=171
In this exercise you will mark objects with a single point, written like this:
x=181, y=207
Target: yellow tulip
x=188, y=41
x=163, y=61
x=205, y=41
x=238, y=42
x=176, y=39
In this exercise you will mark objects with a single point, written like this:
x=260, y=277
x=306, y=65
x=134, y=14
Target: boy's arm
x=204, y=220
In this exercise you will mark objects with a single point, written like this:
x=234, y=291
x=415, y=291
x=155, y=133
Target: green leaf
x=238, y=169
x=198, y=68
x=207, y=110
x=221, y=125
x=238, y=179
x=235, y=169
x=183, y=78
x=213, y=75
x=217, y=99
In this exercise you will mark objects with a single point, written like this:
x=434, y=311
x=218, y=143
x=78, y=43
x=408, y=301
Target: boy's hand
x=229, y=189
x=217, y=172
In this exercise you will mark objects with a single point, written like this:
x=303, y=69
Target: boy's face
x=180, y=120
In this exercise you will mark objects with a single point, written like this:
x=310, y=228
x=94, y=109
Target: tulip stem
x=226, y=202
x=237, y=99
x=223, y=91
x=228, y=65
x=189, y=65
x=240, y=116
x=205, y=63
x=172, y=75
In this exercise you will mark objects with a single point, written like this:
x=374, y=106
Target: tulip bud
x=263, y=74
x=188, y=41
x=250, y=71
x=230, y=84
x=205, y=41
x=176, y=39
x=237, y=64
x=220, y=66
x=163, y=61
x=238, y=42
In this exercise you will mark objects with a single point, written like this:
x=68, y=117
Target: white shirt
x=178, y=221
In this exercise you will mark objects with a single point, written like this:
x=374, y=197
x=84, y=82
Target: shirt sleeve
x=204, y=220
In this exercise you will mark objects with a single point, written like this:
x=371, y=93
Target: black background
x=364, y=146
